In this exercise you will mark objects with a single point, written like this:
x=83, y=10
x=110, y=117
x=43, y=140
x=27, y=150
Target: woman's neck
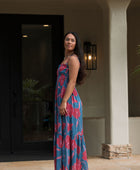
x=68, y=53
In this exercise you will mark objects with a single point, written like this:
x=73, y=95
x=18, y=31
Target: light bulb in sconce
x=89, y=57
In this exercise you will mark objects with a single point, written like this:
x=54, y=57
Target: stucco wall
x=94, y=131
x=89, y=27
x=134, y=134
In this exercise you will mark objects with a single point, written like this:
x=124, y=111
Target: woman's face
x=70, y=42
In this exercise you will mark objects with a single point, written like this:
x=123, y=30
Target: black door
x=31, y=47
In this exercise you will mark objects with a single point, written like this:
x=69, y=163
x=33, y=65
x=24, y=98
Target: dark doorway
x=31, y=48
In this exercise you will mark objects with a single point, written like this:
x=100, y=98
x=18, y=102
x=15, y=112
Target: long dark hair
x=79, y=52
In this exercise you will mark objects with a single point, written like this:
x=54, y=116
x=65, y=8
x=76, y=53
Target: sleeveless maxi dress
x=69, y=142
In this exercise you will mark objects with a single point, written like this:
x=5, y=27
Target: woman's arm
x=74, y=66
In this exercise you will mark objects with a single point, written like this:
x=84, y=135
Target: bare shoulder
x=73, y=60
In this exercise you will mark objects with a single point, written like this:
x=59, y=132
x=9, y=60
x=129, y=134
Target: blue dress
x=69, y=142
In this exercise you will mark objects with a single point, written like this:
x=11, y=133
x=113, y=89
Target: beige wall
x=134, y=134
x=89, y=27
x=88, y=24
x=94, y=131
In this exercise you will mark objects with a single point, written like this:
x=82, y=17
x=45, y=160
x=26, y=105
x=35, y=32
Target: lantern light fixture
x=90, y=55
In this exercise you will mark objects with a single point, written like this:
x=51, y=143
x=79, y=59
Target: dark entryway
x=31, y=47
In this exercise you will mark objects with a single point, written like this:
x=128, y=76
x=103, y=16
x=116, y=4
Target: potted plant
x=35, y=101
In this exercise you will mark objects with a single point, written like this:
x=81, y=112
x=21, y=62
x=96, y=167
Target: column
x=115, y=53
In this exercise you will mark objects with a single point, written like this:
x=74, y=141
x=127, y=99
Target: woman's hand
x=62, y=108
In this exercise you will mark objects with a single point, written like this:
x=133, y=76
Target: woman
x=69, y=143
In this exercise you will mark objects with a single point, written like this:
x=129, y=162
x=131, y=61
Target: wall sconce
x=90, y=54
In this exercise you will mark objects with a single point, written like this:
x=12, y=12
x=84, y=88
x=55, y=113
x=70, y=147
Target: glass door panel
x=37, y=83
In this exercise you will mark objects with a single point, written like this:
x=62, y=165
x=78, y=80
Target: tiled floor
x=95, y=163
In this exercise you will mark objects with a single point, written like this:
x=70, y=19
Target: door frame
x=15, y=77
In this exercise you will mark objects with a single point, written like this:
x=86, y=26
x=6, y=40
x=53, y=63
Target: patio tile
x=95, y=163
